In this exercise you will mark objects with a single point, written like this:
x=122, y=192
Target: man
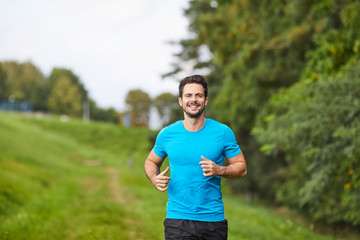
x=196, y=147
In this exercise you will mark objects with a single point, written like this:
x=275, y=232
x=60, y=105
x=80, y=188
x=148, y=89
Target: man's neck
x=193, y=124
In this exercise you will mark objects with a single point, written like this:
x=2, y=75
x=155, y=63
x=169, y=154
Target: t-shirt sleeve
x=159, y=148
x=231, y=148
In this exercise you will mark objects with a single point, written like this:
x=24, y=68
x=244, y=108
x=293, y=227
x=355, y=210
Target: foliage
x=4, y=89
x=59, y=73
x=277, y=64
x=166, y=104
x=316, y=125
x=20, y=80
x=101, y=114
x=139, y=103
x=65, y=98
x=60, y=93
x=66, y=93
x=163, y=103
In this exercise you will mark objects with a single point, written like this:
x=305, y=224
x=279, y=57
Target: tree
x=58, y=73
x=139, y=103
x=262, y=53
x=315, y=125
x=65, y=98
x=257, y=48
x=104, y=115
x=4, y=89
x=168, y=108
x=26, y=83
x=21, y=80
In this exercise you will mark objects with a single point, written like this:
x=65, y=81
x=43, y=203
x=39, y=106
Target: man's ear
x=206, y=100
x=180, y=101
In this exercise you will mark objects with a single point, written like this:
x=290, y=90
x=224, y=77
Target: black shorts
x=180, y=229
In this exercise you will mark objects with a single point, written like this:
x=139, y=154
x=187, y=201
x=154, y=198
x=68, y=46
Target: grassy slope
x=56, y=183
x=47, y=188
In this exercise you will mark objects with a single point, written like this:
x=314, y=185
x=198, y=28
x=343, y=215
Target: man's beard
x=195, y=115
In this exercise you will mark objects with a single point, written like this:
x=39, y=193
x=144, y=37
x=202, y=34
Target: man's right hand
x=161, y=181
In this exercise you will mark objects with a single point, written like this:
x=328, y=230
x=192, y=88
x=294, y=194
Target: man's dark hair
x=193, y=79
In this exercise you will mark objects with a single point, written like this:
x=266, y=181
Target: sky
x=113, y=46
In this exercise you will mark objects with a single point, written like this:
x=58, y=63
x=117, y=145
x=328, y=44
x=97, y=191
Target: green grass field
x=83, y=181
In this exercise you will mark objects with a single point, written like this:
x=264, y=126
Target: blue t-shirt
x=193, y=196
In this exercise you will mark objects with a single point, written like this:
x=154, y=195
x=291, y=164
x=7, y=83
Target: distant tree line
x=62, y=92
x=140, y=103
x=285, y=75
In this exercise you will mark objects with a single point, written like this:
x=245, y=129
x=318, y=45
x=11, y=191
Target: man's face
x=193, y=100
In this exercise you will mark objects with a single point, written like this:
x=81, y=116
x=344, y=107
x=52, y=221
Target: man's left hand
x=210, y=168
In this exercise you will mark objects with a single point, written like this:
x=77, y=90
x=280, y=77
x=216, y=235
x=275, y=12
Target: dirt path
x=118, y=195
x=116, y=190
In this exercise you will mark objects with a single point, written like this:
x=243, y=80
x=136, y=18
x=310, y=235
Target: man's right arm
x=152, y=170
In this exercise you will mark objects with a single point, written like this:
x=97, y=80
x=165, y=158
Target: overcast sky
x=112, y=45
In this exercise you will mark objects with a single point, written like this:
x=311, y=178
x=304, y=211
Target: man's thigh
x=176, y=229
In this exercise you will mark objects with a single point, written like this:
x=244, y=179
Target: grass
x=47, y=189
x=83, y=181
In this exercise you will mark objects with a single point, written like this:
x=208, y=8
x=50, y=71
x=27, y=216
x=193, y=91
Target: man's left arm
x=235, y=169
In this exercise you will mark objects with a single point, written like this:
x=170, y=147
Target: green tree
x=65, y=98
x=315, y=123
x=262, y=52
x=58, y=73
x=4, y=89
x=257, y=48
x=139, y=104
x=168, y=108
x=21, y=80
x=101, y=114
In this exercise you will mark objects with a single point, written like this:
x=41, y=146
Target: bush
x=316, y=123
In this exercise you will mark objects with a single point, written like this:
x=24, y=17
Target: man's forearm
x=158, y=179
x=151, y=170
x=234, y=170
